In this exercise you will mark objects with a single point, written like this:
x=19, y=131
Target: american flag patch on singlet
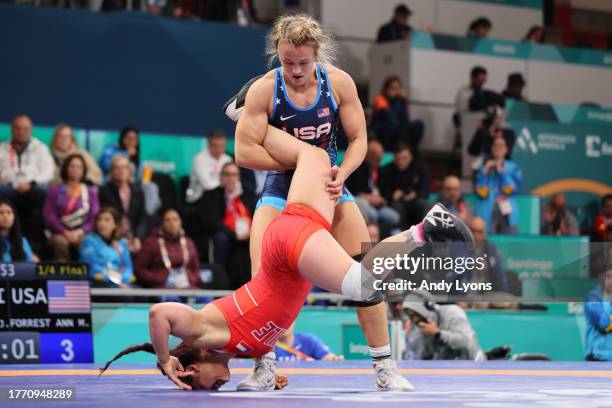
x=244, y=347
x=323, y=112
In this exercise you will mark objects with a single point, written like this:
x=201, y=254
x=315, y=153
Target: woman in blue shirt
x=13, y=246
x=498, y=181
x=108, y=256
x=598, y=313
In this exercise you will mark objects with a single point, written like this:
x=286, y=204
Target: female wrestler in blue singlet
x=309, y=98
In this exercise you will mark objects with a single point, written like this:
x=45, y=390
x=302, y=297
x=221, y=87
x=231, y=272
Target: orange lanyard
x=73, y=199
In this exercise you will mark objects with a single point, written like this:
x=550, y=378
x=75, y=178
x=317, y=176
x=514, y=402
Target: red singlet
x=260, y=311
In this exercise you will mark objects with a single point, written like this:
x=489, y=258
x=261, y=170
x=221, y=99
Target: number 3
x=69, y=355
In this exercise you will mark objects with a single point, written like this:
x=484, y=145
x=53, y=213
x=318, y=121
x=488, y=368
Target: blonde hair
x=59, y=128
x=297, y=30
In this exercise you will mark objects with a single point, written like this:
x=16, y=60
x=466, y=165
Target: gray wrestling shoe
x=388, y=377
x=263, y=377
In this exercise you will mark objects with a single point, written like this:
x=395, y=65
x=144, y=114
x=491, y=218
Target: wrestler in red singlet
x=260, y=311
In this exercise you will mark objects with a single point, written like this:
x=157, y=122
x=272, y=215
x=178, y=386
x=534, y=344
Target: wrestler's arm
x=352, y=119
x=175, y=319
x=252, y=128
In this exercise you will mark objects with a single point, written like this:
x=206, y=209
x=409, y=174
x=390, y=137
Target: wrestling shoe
x=441, y=225
x=263, y=377
x=234, y=106
x=388, y=377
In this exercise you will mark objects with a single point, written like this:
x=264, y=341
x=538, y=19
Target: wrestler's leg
x=312, y=172
x=263, y=216
x=349, y=229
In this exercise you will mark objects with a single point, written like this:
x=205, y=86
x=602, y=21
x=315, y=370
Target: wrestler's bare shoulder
x=262, y=90
x=337, y=75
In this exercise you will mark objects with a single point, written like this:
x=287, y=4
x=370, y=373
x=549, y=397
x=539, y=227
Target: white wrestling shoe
x=263, y=377
x=388, y=377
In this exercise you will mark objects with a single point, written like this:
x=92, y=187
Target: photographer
x=439, y=332
x=491, y=128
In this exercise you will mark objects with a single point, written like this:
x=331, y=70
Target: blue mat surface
x=334, y=384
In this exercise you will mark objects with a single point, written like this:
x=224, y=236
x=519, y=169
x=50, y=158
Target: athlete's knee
x=315, y=156
x=354, y=284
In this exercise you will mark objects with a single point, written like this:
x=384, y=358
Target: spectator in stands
x=490, y=129
x=535, y=35
x=557, y=219
x=70, y=208
x=478, y=78
x=598, y=313
x=228, y=216
x=26, y=166
x=129, y=146
x=107, y=254
x=493, y=271
x=515, y=86
x=13, y=246
x=206, y=166
x=363, y=184
x=438, y=332
x=397, y=28
x=451, y=197
x=479, y=28
x=292, y=346
x=391, y=122
x=404, y=184
x=64, y=145
x=603, y=220
x=498, y=181
x=168, y=259
x=128, y=200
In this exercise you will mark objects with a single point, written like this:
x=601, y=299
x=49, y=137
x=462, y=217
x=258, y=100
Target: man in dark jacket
x=228, y=217
x=397, y=28
x=363, y=184
x=404, y=183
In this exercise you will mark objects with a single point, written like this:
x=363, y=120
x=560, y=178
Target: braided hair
x=186, y=355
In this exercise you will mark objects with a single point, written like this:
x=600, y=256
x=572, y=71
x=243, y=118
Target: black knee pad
x=359, y=257
x=373, y=301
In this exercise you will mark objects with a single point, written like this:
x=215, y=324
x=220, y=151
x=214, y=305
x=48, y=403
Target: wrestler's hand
x=336, y=185
x=281, y=382
x=174, y=371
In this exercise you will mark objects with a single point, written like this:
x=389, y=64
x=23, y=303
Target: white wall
x=388, y=59
x=351, y=20
x=362, y=18
x=439, y=135
x=436, y=75
x=510, y=23
x=569, y=83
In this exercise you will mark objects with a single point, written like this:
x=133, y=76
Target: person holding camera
x=438, y=332
x=491, y=128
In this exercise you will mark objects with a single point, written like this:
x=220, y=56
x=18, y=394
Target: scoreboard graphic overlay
x=45, y=313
